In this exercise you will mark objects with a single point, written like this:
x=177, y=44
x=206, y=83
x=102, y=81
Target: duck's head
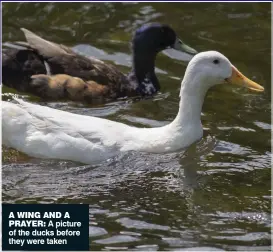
x=210, y=68
x=155, y=37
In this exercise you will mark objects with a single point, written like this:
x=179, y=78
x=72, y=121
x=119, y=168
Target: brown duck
x=54, y=72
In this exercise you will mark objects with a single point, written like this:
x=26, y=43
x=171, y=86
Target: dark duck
x=53, y=72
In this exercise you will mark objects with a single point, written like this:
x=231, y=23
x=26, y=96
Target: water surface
x=215, y=196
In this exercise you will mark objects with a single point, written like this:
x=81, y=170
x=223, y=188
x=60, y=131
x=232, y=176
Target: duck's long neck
x=184, y=130
x=143, y=72
x=191, y=102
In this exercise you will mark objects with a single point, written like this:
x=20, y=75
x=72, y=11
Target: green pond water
x=215, y=196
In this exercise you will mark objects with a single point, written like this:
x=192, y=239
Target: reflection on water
x=214, y=196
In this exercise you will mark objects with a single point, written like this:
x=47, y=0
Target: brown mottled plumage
x=21, y=64
x=73, y=88
x=53, y=72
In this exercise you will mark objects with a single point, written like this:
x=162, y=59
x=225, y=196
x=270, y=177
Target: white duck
x=49, y=133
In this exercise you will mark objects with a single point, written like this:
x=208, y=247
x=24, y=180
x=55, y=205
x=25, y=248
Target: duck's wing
x=40, y=56
x=41, y=131
x=64, y=121
x=62, y=59
x=45, y=48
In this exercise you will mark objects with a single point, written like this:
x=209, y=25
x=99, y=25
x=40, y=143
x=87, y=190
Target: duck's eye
x=216, y=61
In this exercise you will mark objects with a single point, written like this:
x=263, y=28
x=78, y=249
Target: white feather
x=48, y=70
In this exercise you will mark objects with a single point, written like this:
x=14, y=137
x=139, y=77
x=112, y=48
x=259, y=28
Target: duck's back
x=48, y=60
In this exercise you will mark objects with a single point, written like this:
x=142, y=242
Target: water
x=215, y=196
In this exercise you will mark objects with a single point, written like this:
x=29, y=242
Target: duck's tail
x=14, y=121
x=19, y=63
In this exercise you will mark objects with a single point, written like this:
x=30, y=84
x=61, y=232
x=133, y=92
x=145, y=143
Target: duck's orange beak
x=238, y=78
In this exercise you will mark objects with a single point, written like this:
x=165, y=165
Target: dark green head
x=156, y=37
